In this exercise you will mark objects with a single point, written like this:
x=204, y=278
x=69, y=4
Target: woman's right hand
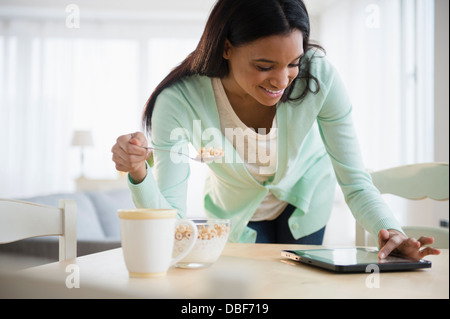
x=129, y=157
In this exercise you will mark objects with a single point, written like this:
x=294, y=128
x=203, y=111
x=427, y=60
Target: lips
x=272, y=93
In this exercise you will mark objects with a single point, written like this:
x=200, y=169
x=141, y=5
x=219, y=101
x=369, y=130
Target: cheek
x=249, y=77
x=256, y=78
x=293, y=74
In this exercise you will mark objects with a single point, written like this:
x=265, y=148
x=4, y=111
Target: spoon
x=198, y=158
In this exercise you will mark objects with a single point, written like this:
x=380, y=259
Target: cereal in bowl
x=210, y=152
x=211, y=239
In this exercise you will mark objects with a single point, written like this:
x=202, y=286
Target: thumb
x=138, y=139
x=134, y=141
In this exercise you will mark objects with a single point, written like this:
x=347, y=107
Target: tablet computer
x=348, y=260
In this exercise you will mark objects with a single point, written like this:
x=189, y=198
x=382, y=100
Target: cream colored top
x=258, y=150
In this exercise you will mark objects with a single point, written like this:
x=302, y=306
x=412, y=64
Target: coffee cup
x=147, y=237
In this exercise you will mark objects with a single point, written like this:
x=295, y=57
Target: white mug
x=148, y=237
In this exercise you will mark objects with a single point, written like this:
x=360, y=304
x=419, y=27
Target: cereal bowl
x=212, y=237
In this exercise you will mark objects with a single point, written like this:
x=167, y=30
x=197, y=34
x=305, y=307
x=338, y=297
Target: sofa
x=98, y=227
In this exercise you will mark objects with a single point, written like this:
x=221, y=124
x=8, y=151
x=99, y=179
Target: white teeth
x=273, y=92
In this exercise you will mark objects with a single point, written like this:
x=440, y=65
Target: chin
x=269, y=102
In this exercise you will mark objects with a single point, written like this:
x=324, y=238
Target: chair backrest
x=20, y=220
x=415, y=182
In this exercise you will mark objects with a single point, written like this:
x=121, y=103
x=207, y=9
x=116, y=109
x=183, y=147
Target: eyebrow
x=275, y=62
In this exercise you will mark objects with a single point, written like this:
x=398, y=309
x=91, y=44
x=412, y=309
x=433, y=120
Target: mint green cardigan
x=317, y=144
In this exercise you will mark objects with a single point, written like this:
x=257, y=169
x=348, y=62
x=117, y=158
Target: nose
x=281, y=79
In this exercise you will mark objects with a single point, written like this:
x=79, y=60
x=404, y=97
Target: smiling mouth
x=273, y=93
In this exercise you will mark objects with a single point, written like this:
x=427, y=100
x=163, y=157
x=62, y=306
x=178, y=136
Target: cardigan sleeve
x=165, y=185
x=340, y=140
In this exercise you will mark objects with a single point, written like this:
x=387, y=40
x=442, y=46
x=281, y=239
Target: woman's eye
x=264, y=69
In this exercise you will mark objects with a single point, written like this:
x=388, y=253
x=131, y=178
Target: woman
x=256, y=87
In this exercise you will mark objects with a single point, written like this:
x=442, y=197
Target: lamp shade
x=82, y=138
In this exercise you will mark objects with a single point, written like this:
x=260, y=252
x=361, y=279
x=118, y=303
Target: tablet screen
x=350, y=256
x=353, y=259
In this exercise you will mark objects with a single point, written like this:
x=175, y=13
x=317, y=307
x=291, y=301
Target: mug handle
x=192, y=240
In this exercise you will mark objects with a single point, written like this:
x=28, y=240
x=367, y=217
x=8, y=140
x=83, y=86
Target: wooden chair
x=414, y=182
x=20, y=220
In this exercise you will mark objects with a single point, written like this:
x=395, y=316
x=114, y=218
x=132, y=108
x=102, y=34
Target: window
x=383, y=49
x=55, y=80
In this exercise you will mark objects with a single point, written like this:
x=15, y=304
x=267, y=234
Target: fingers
x=389, y=246
x=130, y=144
x=412, y=243
x=129, y=163
x=127, y=155
x=393, y=240
x=138, y=139
x=390, y=240
x=383, y=237
x=426, y=240
x=428, y=251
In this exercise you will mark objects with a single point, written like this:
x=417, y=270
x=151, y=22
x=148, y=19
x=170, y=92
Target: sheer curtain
x=56, y=78
x=32, y=122
x=383, y=50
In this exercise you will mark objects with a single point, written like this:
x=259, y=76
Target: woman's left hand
x=394, y=241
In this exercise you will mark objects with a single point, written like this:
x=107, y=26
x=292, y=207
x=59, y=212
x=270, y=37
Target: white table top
x=243, y=271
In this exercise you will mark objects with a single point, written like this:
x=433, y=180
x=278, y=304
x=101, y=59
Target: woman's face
x=263, y=69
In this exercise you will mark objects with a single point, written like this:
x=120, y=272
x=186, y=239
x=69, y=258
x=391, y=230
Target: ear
x=227, y=49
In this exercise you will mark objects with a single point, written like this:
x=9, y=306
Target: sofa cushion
x=88, y=224
x=106, y=204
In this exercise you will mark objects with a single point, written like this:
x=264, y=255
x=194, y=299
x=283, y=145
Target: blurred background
x=75, y=75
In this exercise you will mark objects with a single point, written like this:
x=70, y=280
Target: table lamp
x=82, y=139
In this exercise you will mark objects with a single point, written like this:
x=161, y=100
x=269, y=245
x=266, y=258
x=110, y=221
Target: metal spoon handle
x=160, y=149
x=197, y=159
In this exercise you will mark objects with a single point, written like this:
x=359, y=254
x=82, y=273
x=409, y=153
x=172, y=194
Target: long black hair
x=241, y=22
